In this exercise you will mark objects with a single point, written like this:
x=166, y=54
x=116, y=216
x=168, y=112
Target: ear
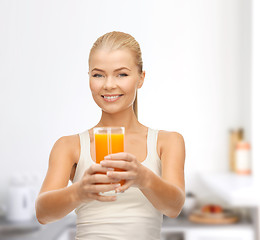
x=141, y=80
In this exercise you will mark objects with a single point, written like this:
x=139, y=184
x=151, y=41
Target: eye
x=123, y=75
x=97, y=75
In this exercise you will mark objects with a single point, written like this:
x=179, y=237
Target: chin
x=111, y=111
x=114, y=110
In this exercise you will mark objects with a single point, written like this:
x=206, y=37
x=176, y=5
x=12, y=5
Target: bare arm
x=55, y=199
x=167, y=193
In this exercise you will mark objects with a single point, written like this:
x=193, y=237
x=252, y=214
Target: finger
x=94, y=168
x=102, y=178
x=98, y=197
x=119, y=156
x=120, y=175
x=124, y=187
x=97, y=188
x=116, y=164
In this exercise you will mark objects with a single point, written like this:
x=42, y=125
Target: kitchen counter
x=58, y=230
x=182, y=224
x=32, y=230
x=181, y=228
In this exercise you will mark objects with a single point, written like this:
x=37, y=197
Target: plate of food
x=213, y=214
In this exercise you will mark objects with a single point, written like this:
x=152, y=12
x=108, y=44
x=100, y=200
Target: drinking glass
x=108, y=140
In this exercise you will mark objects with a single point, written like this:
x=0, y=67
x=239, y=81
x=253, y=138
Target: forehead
x=103, y=58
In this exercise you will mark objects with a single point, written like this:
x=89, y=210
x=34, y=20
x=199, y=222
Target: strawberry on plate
x=211, y=208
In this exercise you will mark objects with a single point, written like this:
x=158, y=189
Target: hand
x=94, y=181
x=133, y=172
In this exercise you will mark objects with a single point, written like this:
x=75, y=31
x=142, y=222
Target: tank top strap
x=153, y=160
x=84, y=161
x=152, y=142
x=84, y=144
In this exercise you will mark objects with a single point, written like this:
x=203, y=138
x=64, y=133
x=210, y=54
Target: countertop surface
x=182, y=224
x=32, y=230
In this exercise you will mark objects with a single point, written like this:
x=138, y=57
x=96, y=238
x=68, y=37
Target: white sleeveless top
x=131, y=216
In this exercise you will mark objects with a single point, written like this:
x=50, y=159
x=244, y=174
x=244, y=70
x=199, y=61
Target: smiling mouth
x=111, y=98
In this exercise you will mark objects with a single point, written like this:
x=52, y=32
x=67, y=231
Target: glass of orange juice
x=108, y=140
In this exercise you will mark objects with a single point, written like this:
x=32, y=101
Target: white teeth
x=111, y=97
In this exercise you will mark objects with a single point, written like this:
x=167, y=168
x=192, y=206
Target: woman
x=153, y=161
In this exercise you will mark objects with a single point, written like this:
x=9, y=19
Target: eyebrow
x=97, y=69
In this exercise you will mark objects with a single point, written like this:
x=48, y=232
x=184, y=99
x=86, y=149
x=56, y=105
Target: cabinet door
x=220, y=234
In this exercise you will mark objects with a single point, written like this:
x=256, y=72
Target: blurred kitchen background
x=201, y=59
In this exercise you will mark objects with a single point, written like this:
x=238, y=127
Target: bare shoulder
x=172, y=155
x=166, y=138
x=69, y=145
x=170, y=140
x=62, y=159
x=164, y=135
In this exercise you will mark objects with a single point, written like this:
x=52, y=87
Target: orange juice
x=108, y=143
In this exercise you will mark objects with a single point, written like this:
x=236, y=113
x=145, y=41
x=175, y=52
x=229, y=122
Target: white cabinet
x=219, y=234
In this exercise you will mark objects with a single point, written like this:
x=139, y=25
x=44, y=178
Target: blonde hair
x=120, y=40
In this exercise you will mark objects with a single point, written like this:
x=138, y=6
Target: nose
x=109, y=83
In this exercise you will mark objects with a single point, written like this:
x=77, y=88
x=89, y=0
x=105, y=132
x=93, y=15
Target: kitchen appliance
x=19, y=201
x=190, y=203
x=235, y=135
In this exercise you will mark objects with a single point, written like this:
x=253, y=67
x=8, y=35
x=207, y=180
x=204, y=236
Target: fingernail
x=118, y=185
x=110, y=169
x=107, y=157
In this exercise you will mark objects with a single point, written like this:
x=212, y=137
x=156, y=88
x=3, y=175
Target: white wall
x=256, y=95
x=256, y=104
x=199, y=70
x=196, y=57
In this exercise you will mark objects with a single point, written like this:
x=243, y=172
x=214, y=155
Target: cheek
x=94, y=86
x=130, y=86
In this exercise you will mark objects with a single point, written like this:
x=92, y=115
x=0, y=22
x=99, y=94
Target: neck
x=126, y=119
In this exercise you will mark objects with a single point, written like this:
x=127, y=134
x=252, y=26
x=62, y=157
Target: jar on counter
x=243, y=158
x=235, y=136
